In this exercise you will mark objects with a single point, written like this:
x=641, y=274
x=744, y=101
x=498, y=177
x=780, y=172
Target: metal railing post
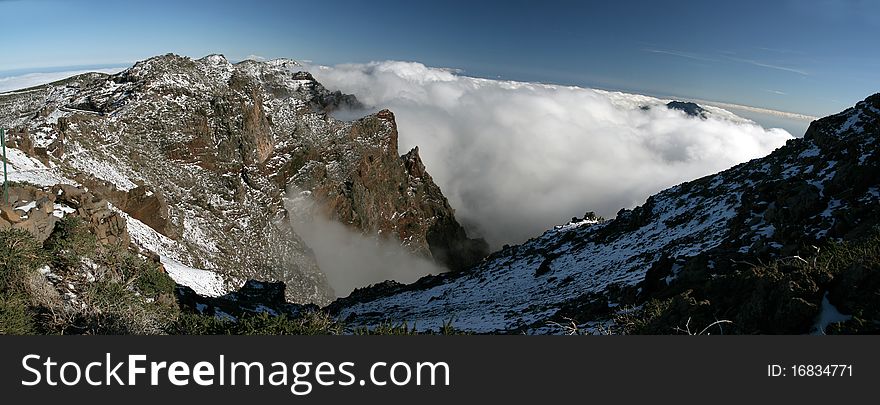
x=5, y=183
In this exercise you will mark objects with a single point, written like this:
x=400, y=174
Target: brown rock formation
x=359, y=180
x=33, y=209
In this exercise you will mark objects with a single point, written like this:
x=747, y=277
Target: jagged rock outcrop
x=204, y=151
x=359, y=179
x=739, y=246
x=30, y=209
x=36, y=210
x=143, y=203
x=108, y=226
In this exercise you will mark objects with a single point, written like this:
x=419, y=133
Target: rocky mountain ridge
x=198, y=156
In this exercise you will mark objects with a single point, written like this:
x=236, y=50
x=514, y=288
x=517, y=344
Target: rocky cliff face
x=37, y=210
x=774, y=245
x=358, y=178
x=200, y=153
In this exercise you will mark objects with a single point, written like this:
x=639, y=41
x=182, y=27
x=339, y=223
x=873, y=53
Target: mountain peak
x=689, y=108
x=215, y=58
x=854, y=121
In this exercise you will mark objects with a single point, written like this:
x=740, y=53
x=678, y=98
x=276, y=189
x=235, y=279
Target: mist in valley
x=348, y=258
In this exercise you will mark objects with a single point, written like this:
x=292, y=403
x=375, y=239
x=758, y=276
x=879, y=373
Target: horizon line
x=7, y=74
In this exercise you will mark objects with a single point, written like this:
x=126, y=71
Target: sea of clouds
x=516, y=158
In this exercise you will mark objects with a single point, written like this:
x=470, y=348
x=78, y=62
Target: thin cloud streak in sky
x=516, y=158
x=682, y=54
x=785, y=114
x=769, y=66
x=726, y=54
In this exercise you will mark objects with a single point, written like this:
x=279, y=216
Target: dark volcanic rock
x=691, y=109
x=252, y=298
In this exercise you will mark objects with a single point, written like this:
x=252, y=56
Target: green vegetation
x=69, y=241
x=16, y=318
x=780, y=297
x=403, y=329
x=19, y=254
x=154, y=284
x=123, y=293
x=116, y=291
x=387, y=328
x=310, y=323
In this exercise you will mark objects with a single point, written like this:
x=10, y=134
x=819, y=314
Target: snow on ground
x=84, y=162
x=193, y=231
x=149, y=239
x=850, y=124
x=27, y=207
x=55, y=115
x=44, y=136
x=203, y=282
x=828, y=315
x=503, y=293
x=25, y=169
x=813, y=151
x=60, y=210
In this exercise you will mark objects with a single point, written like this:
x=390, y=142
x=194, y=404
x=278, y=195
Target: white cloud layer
x=516, y=158
x=10, y=83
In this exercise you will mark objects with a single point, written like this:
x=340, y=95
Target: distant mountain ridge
x=689, y=108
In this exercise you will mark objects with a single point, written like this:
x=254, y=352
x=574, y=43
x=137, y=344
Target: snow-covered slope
x=28, y=170
x=23, y=168
x=821, y=188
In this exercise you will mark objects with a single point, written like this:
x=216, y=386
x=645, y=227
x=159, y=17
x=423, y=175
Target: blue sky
x=810, y=57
